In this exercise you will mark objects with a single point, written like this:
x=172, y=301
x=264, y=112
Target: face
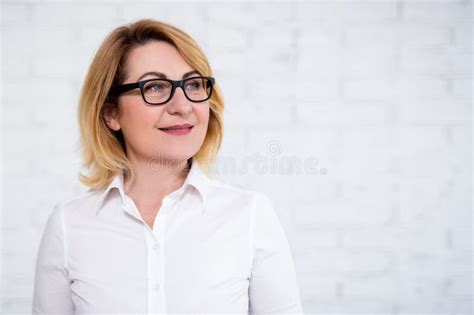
x=140, y=121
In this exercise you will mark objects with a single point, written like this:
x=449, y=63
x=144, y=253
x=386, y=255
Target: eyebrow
x=162, y=75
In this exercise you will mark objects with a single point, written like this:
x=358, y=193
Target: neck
x=154, y=181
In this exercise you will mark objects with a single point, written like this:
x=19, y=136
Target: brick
x=434, y=200
x=229, y=63
x=187, y=16
x=368, y=60
x=239, y=114
x=17, y=66
x=15, y=14
x=374, y=238
x=269, y=89
x=16, y=117
x=422, y=88
x=313, y=241
x=315, y=187
x=369, y=89
x=462, y=89
x=14, y=217
x=311, y=35
x=233, y=89
x=281, y=13
x=64, y=66
x=333, y=262
x=347, y=11
x=353, y=305
x=15, y=144
x=459, y=238
x=431, y=240
x=374, y=189
x=274, y=37
x=279, y=143
x=236, y=14
x=416, y=34
x=370, y=287
x=311, y=87
x=337, y=114
x=131, y=11
x=342, y=214
x=258, y=114
x=454, y=205
x=367, y=136
x=88, y=40
x=418, y=139
x=277, y=62
x=433, y=62
x=17, y=280
x=325, y=63
x=224, y=39
x=385, y=35
x=441, y=12
x=436, y=111
x=364, y=163
x=463, y=36
x=461, y=138
x=17, y=304
x=233, y=143
x=72, y=14
x=16, y=47
x=461, y=64
x=435, y=284
x=422, y=164
x=48, y=91
x=318, y=287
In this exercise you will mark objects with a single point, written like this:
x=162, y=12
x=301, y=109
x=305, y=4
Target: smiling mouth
x=164, y=129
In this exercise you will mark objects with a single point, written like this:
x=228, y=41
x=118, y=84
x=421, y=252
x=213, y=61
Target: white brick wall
x=376, y=94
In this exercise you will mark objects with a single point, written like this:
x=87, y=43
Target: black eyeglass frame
x=120, y=89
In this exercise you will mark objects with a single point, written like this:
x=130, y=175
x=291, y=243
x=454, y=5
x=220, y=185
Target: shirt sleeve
x=273, y=285
x=51, y=292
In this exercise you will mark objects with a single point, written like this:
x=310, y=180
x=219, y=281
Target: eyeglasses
x=160, y=91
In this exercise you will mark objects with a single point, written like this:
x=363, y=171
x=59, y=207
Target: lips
x=177, y=127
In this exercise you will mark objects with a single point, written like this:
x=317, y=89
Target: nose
x=179, y=103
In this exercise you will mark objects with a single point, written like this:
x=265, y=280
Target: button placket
x=156, y=238
x=154, y=279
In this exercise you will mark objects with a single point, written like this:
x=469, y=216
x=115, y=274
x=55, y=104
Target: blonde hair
x=103, y=149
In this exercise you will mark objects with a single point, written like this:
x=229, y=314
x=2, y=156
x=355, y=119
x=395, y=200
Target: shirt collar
x=196, y=178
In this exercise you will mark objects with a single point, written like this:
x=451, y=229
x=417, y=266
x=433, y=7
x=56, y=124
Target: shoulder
x=55, y=222
x=225, y=191
x=85, y=201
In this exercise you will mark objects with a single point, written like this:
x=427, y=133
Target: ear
x=109, y=112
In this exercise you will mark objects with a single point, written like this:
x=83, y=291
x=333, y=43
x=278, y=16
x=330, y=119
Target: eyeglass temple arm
x=117, y=90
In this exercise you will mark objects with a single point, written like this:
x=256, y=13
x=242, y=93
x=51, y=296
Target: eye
x=193, y=85
x=155, y=87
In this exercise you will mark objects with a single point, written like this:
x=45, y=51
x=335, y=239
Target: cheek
x=203, y=114
x=138, y=118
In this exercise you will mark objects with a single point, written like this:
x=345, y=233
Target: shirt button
x=155, y=286
x=156, y=246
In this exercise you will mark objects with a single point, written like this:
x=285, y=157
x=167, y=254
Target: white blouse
x=214, y=248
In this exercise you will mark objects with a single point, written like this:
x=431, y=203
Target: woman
x=155, y=233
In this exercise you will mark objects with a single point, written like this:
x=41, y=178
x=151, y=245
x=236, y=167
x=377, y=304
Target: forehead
x=156, y=56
